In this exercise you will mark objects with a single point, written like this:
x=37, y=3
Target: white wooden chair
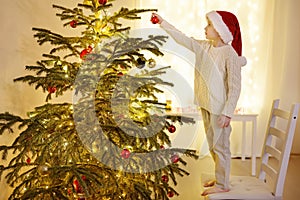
x=274, y=160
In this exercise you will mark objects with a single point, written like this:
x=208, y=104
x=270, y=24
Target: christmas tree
x=112, y=141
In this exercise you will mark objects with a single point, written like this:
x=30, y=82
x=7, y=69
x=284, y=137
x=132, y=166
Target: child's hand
x=156, y=19
x=223, y=121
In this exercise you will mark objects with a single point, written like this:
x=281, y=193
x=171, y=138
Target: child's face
x=210, y=31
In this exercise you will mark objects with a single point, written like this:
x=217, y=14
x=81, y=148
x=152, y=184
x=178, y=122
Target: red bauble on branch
x=51, y=90
x=174, y=158
x=83, y=53
x=73, y=23
x=83, y=178
x=171, y=128
x=28, y=160
x=77, y=186
x=102, y=2
x=125, y=153
x=154, y=19
x=170, y=194
x=165, y=178
x=86, y=51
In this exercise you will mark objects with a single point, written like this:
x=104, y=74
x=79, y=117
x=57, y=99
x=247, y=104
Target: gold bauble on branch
x=151, y=63
x=43, y=169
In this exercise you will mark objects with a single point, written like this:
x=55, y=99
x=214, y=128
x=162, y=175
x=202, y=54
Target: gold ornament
x=98, y=26
x=43, y=169
x=168, y=104
x=151, y=63
x=87, y=2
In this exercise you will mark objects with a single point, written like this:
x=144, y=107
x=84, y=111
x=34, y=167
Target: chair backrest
x=277, y=146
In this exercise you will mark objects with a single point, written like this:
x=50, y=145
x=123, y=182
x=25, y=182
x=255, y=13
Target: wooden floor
x=189, y=187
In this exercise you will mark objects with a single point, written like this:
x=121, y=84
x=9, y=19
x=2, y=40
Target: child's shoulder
x=231, y=52
x=227, y=50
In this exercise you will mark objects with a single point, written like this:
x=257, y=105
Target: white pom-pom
x=242, y=60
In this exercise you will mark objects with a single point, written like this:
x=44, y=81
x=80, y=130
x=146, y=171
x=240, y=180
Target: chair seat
x=246, y=188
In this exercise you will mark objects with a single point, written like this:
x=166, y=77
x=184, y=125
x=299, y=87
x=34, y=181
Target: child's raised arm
x=177, y=35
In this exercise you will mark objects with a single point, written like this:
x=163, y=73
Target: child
x=217, y=85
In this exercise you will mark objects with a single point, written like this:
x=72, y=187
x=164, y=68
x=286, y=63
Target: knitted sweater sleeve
x=233, y=76
x=180, y=37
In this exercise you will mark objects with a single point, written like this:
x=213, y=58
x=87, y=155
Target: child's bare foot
x=209, y=183
x=213, y=190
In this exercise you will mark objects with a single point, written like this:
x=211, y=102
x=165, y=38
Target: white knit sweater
x=217, y=73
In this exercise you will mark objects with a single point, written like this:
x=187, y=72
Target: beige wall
x=284, y=73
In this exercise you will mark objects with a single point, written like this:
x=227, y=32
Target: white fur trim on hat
x=220, y=26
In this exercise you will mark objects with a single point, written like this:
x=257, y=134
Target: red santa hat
x=227, y=25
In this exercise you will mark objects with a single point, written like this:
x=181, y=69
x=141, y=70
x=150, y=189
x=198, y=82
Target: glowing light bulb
x=65, y=68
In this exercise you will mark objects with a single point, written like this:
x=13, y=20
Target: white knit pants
x=219, y=145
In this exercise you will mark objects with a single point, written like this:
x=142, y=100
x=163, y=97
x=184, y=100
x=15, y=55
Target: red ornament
x=125, y=153
x=120, y=74
x=28, y=160
x=171, y=128
x=51, y=90
x=77, y=186
x=69, y=191
x=102, y=2
x=122, y=66
x=174, y=158
x=154, y=19
x=165, y=178
x=73, y=23
x=162, y=147
x=86, y=51
x=83, y=53
x=170, y=194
